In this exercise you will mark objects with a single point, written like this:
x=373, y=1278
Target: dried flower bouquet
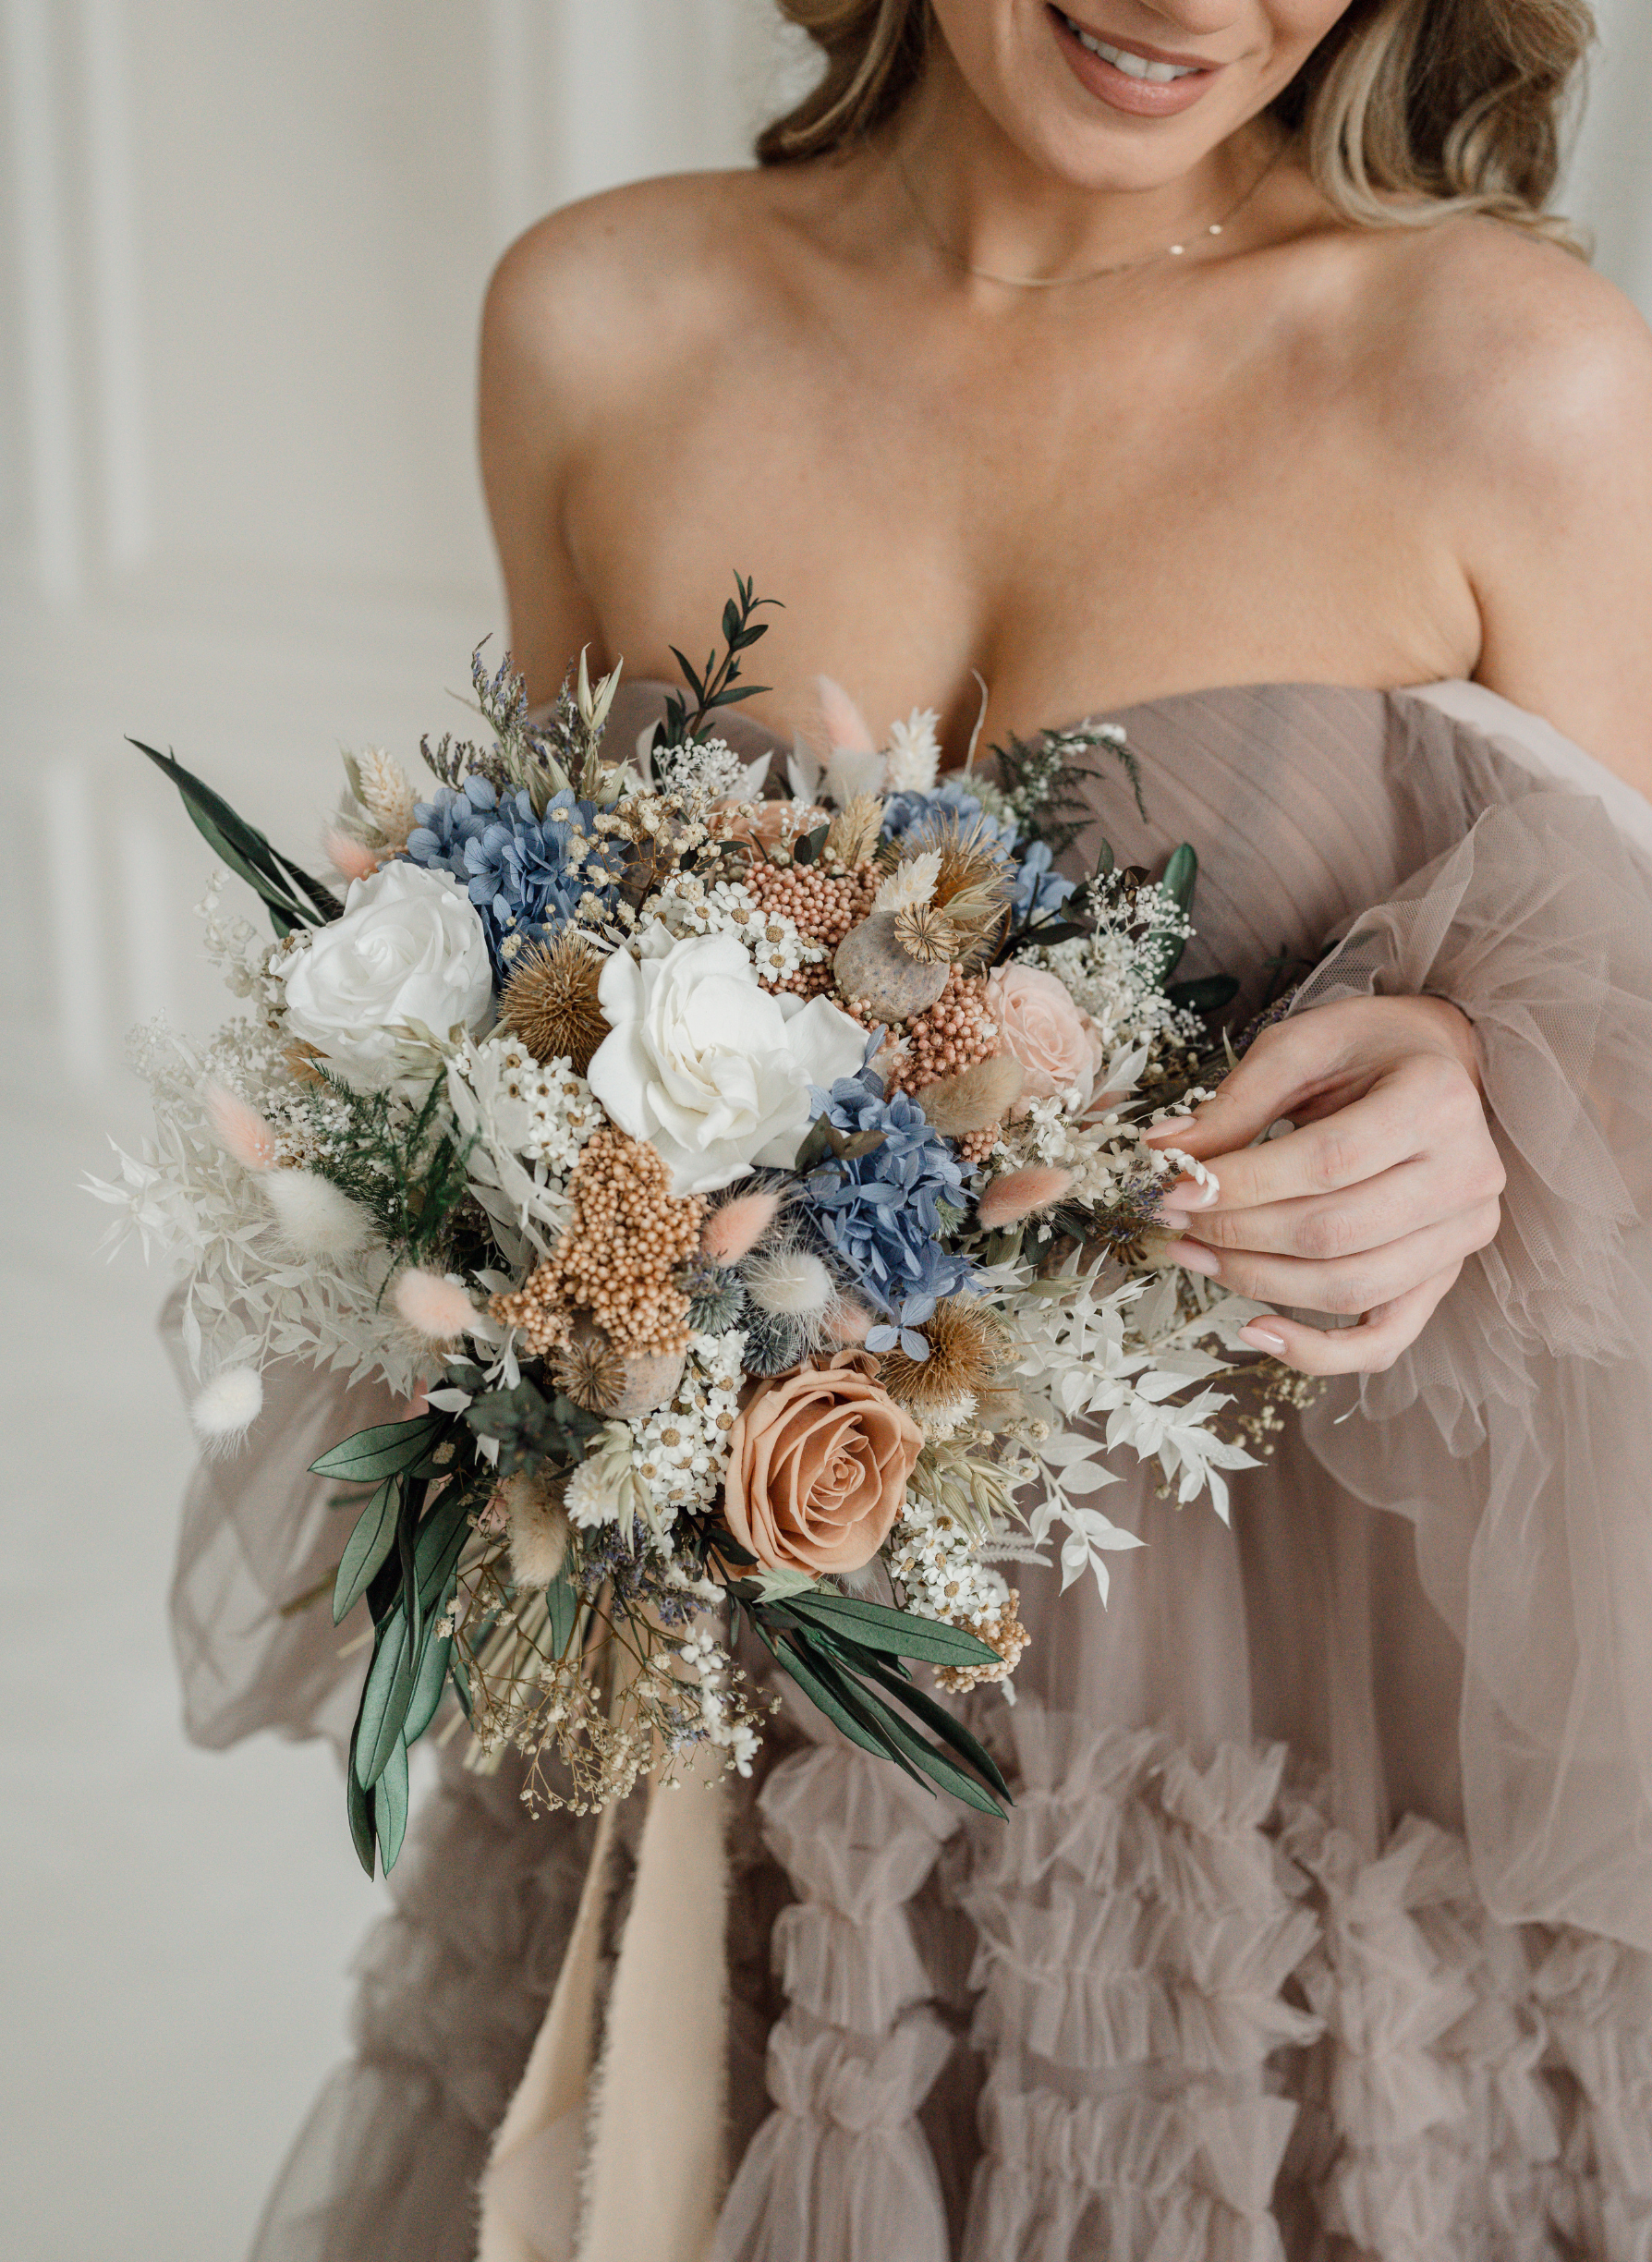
x=741, y=1180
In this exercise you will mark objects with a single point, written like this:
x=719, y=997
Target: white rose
x=408, y=961
x=708, y=1066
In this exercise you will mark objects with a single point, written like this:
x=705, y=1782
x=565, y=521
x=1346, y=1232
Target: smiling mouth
x=1126, y=59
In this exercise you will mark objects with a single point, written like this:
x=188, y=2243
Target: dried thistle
x=551, y=999
x=969, y=1351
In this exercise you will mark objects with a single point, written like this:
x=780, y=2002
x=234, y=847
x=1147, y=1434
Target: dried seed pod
x=871, y=967
x=618, y=1386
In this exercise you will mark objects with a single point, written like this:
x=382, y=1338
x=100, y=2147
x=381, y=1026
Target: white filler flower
x=707, y=1065
x=408, y=961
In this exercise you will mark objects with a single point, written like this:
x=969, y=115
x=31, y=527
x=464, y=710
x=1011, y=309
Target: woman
x=1108, y=355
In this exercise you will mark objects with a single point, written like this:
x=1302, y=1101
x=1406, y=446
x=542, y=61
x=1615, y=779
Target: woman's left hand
x=1370, y=1206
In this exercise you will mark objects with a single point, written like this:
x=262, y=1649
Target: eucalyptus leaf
x=935, y=1716
x=1205, y=996
x=941, y=1770
x=897, y=1633
x=562, y=1605
x=384, y=1701
x=803, y=1670
x=428, y=1681
x=390, y=1807
x=368, y=1547
x=383, y=1451
x=359, y=1807
x=1181, y=874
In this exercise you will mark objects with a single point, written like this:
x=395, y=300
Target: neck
x=998, y=212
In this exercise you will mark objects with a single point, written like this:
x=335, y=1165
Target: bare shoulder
x=623, y=281
x=1521, y=366
x=1529, y=380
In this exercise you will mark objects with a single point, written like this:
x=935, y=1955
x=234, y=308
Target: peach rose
x=1043, y=1029
x=818, y=1467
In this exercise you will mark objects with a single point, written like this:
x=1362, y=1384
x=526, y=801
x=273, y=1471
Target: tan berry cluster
x=823, y=905
x=955, y=1032
x=999, y=1628
x=628, y=1236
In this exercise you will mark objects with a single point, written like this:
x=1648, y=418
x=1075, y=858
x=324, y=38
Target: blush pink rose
x=1041, y=1028
x=818, y=1467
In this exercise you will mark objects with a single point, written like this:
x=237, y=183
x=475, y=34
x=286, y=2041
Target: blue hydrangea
x=880, y=1212
x=515, y=865
x=950, y=799
x=1035, y=890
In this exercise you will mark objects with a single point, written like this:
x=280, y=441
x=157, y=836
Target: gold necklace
x=1091, y=274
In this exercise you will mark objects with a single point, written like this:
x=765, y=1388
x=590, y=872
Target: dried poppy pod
x=617, y=1385
x=873, y=968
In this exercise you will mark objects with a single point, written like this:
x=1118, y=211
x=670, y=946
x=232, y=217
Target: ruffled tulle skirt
x=1169, y=2012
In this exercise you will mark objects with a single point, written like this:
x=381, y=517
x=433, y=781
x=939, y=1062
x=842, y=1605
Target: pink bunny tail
x=436, y=1309
x=734, y=1230
x=849, y=1322
x=348, y=857
x=240, y=1130
x=1018, y=1193
x=845, y=726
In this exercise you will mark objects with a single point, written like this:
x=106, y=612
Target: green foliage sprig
x=718, y=685
x=287, y=892
x=409, y=1172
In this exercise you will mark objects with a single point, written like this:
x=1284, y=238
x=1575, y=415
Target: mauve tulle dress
x=1322, y=1922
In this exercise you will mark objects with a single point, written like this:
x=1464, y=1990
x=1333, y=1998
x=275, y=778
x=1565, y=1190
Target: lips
x=1142, y=81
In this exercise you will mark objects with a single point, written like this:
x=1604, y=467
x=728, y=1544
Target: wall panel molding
x=116, y=285
x=46, y=346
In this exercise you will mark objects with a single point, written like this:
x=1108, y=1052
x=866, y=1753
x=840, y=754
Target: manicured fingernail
x=1191, y=1194
x=1194, y=1256
x=1263, y=1338
x=1173, y=1126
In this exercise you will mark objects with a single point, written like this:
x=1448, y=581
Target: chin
x=1073, y=113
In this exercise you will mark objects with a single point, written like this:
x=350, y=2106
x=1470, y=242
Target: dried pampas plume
x=436, y=1309
x=551, y=999
x=240, y=1130
x=1019, y=1192
x=792, y=1284
x=316, y=1219
x=734, y=1229
x=351, y=860
x=388, y=794
x=537, y=1524
x=226, y=1407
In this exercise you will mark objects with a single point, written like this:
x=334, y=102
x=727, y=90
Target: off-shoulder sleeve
x=251, y=1608
x=1517, y=1431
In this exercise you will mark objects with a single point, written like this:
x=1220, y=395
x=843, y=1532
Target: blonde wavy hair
x=1407, y=112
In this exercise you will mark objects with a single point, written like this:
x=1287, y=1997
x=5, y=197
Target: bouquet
x=740, y=1180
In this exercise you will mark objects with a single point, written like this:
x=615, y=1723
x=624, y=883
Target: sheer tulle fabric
x=1267, y=1956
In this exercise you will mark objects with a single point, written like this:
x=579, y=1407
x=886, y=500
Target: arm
x=1371, y=1206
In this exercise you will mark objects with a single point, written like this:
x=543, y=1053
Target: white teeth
x=1133, y=66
